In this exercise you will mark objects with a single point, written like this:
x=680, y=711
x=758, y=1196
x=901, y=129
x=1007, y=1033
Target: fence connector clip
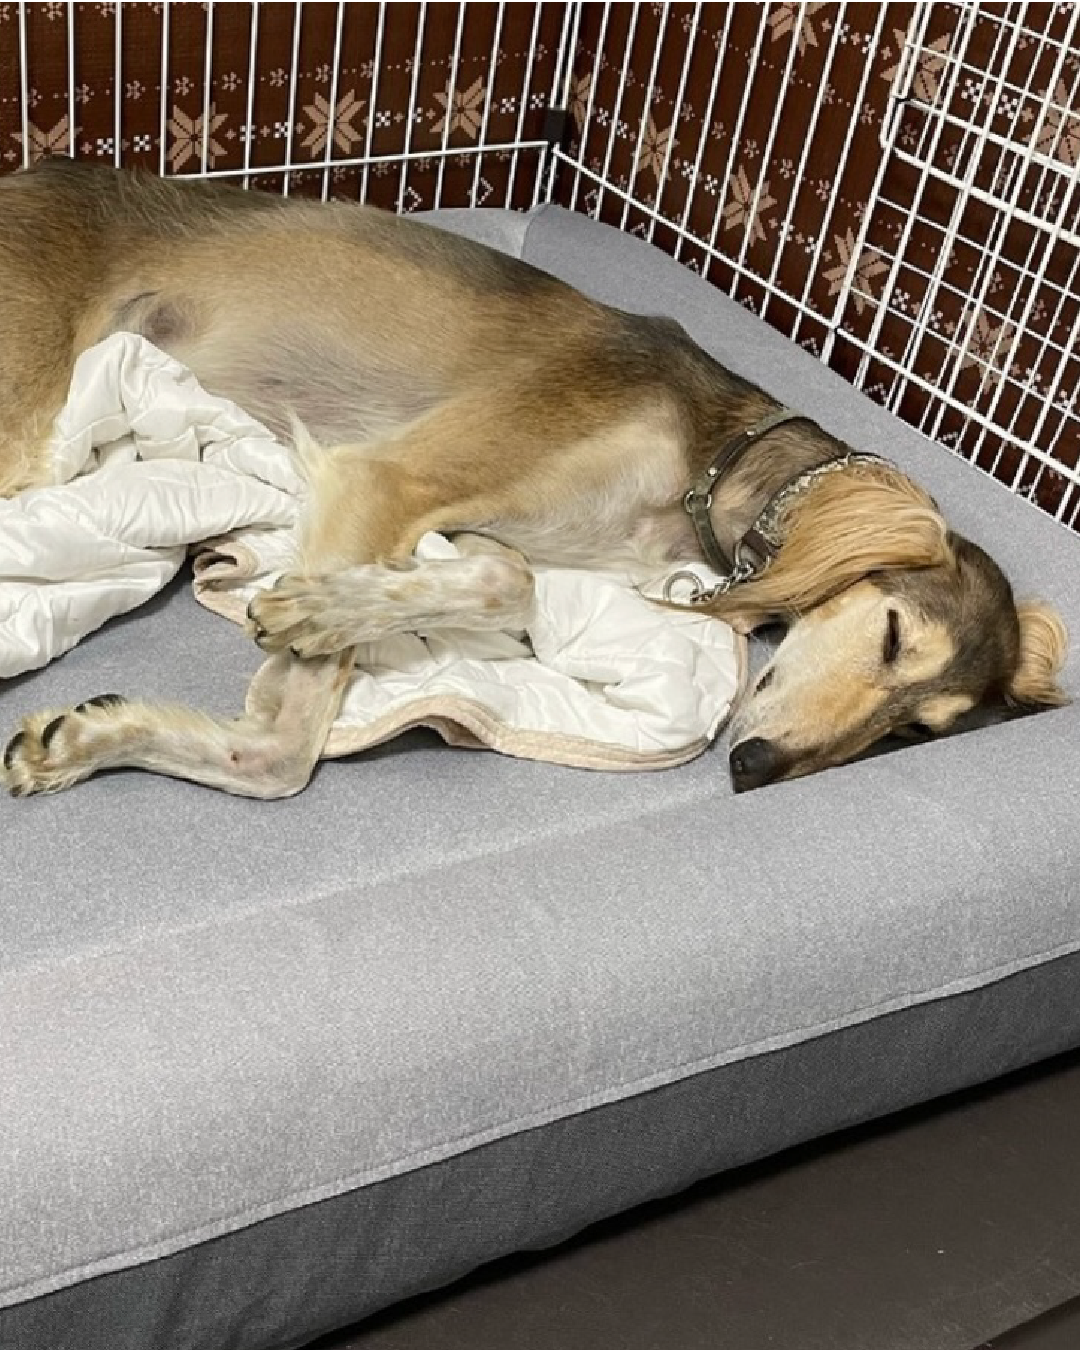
x=556, y=126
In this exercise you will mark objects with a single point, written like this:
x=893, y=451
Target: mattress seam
x=576, y=829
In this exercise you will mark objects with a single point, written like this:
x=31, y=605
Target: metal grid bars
x=735, y=137
x=966, y=305
x=405, y=105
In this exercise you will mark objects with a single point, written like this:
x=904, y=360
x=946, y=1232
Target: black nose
x=753, y=763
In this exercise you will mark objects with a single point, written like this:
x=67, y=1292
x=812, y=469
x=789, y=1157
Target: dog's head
x=896, y=625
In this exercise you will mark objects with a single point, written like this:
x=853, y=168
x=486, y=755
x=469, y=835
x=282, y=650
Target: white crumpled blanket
x=148, y=466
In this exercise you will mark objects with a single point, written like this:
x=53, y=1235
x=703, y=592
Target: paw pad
x=33, y=760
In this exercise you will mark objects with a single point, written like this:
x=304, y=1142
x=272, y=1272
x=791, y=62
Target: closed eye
x=921, y=729
x=891, y=649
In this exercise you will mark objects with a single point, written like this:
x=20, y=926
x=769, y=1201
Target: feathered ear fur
x=845, y=526
x=1044, y=642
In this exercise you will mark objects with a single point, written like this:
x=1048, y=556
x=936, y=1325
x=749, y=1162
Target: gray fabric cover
x=283, y=1281
x=215, y=1011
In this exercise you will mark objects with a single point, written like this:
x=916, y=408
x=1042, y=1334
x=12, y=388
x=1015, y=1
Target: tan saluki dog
x=443, y=386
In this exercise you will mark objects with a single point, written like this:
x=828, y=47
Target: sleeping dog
x=432, y=384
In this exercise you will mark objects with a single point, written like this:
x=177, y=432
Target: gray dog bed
x=268, y=1067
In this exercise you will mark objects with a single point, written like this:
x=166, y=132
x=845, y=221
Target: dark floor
x=953, y=1227
x=1055, y=1330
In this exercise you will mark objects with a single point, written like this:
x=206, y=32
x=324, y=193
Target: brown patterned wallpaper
x=757, y=143
x=264, y=96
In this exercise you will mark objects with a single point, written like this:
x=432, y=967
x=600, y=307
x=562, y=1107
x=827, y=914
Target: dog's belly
x=338, y=403
x=341, y=391
x=598, y=489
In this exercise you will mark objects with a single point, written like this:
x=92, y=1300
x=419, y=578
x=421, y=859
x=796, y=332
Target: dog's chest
x=590, y=541
x=617, y=505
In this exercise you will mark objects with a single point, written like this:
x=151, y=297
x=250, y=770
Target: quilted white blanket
x=148, y=466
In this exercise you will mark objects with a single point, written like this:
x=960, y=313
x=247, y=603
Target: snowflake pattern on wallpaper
x=785, y=19
x=339, y=126
x=192, y=137
x=861, y=278
x=986, y=345
x=1059, y=134
x=459, y=110
x=42, y=141
x=747, y=206
x=462, y=109
x=655, y=151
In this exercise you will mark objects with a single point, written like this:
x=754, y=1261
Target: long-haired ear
x=1044, y=643
x=847, y=525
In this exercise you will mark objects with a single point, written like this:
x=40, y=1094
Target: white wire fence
x=405, y=104
x=979, y=181
x=894, y=185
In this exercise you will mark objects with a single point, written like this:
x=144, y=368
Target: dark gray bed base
x=333, y=1263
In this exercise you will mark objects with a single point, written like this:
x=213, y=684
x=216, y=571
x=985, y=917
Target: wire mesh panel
x=970, y=325
x=741, y=138
x=404, y=105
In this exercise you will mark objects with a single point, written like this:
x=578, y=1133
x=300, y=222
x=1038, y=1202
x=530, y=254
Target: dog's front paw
x=52, y=751
x=299, y=613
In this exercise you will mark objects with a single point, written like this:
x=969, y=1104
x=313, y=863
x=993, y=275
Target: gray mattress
x=267, y=1067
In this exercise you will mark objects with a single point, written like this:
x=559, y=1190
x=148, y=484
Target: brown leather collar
x=698, y=501
x=758, y=545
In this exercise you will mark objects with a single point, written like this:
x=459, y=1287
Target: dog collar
x=757, y=547
x=698, y=501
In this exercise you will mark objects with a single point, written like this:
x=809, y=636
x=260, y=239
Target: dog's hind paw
x=52, y=751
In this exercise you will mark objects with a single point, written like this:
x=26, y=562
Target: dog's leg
x=490, y=587
x=269, y=752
